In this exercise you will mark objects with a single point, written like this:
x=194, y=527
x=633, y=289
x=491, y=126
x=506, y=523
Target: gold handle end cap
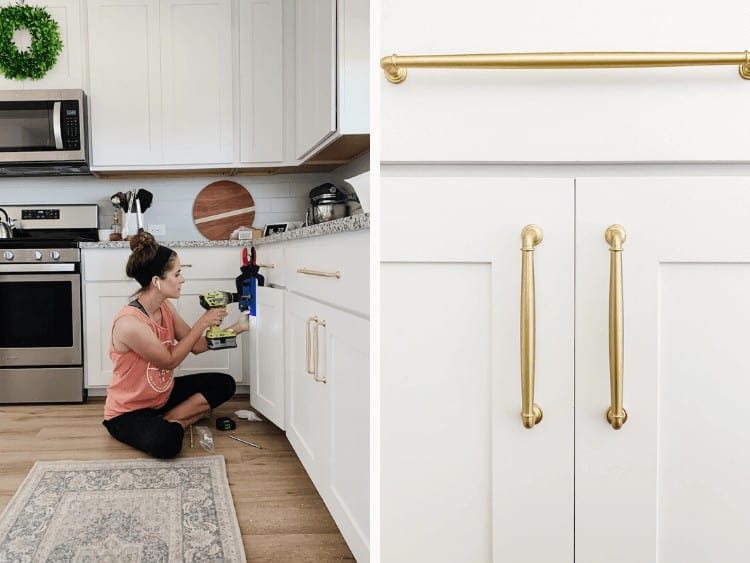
x=530, y=420
x=617, y=420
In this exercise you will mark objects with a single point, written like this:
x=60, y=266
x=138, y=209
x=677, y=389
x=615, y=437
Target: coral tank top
x=136, y=384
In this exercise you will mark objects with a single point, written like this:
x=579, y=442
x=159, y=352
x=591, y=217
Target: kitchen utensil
x=138, y=215
x=221, y=207
x=327, y=212
x=145, y=197
x=6, y=227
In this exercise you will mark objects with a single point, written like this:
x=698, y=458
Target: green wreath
x=45, y=42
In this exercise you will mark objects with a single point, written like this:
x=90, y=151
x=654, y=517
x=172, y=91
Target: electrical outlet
x=157, y=229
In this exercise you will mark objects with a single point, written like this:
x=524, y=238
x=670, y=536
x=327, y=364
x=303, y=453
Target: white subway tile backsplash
x=278, y=199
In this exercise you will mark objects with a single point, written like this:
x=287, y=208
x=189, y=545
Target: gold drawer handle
x=615, y=237
x=310, y=272
x=266, y=265
x=531, y=413
x=316, y=373
x=308, y=344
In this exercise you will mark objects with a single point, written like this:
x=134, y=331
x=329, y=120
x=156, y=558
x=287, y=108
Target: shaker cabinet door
x=670, y=485
x=461, y=478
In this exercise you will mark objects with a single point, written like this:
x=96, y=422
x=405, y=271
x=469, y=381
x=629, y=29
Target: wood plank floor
x=281, y=515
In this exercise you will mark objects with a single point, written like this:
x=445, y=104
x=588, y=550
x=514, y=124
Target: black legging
x=146, y=430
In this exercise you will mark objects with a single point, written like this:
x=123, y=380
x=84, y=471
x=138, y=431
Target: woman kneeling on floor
x=146, y=407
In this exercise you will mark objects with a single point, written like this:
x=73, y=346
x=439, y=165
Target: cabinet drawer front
x=270, y=258
x=108, y=264
x=210, y=263
x=334, y=269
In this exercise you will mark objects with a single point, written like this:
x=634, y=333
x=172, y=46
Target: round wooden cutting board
x=221, y=207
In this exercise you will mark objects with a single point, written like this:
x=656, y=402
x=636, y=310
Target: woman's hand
x=212, y=317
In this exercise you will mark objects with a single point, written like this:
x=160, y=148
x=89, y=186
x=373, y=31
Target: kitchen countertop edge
x=347, y=224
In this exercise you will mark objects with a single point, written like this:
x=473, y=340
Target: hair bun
x=142, y=241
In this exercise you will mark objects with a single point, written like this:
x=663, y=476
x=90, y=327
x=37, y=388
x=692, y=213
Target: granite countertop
x=347, y=224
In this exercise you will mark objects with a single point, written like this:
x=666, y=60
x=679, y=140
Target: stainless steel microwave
x=43, y=132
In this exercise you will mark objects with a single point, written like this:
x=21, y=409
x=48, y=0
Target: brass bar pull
x=394, y=66
x=616, y=415
x=266, y=265
x=531, y=413
x=310, y=272
x=316, y=373
x=308, y=344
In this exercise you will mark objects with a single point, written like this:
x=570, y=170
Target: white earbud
x=158, y=285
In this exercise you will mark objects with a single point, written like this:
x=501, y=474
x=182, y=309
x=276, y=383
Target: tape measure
x=225, y=423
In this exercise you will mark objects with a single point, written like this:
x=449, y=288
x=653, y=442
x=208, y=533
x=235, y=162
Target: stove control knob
x=37, y=255
x=55, y=255
x=8, y=255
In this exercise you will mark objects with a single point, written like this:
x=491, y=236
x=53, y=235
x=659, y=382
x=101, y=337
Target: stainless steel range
x=41, y=349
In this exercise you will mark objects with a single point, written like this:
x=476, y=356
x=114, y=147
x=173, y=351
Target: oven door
x=41, y=318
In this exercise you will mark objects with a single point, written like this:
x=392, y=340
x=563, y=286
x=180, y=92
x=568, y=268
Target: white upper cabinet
x=543, y=115
x=332, y=73
x=261, y=81
x=160, y=83
x=315, y=73
x=125, y=82
x=196, y=66
x=68, y=70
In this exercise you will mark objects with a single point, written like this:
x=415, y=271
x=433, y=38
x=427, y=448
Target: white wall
x=277, y=198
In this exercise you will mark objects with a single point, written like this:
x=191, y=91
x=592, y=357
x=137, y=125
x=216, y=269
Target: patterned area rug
x=123, y=511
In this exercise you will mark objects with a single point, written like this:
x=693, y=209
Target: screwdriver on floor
x=233, y=437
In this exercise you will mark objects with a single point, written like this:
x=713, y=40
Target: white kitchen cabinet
x=328, y=410
x=106, y=290
x=327, y=366
x=68, y=71
x=266, y=356
x=160, y=83
x=102, y=301
x=315, y=69
x=261, y=81
x=332, y=72
x=662, y=488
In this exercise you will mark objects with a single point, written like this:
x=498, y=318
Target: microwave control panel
x=71, y=124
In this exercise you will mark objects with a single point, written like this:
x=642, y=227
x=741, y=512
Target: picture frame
x=273, y=228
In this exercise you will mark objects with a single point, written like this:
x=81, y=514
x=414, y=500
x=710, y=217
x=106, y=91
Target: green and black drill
x=216, y=336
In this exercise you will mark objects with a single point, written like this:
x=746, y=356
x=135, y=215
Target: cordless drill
x=216, y=337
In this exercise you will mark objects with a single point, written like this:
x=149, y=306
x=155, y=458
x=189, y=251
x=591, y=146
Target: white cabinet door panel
x=346, y=365
x=261, y=81
x=315, y=65
x=461, y=478
x=196, y=66
x=308, y=401
x=675, y=472
x=125, y=77
x=267, y=355
x=102, y=302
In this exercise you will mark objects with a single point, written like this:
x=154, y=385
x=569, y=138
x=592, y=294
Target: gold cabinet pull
x=531, y=413
x=316, y=345
x=308, y=340
x=310, y=272
x=266, y=265
x=615, y=237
